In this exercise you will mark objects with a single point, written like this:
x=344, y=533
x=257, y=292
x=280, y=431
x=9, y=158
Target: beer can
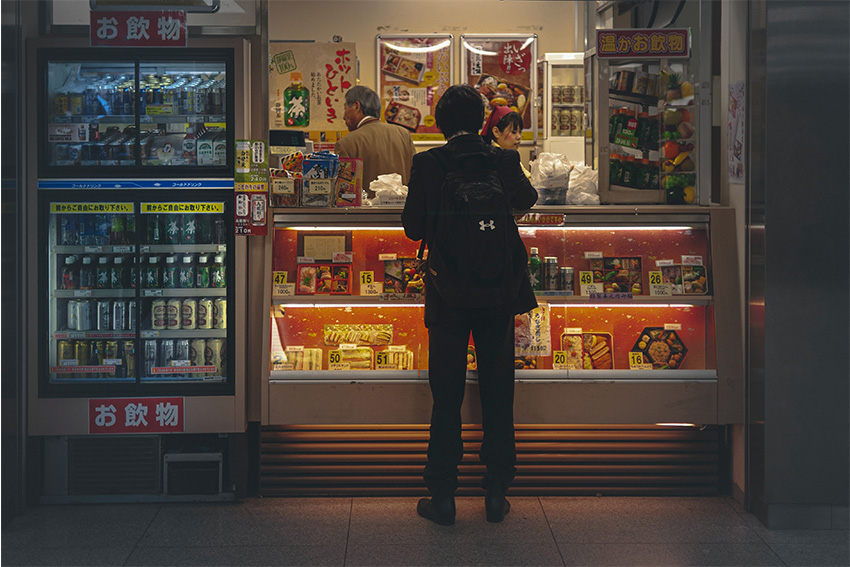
x=196, y=352
x=119, y=315
x=131, y=316
x=151, y=350
x=214, y=356
x=568, y=94
x=550, y=273
x=85, y=315
x=159, y=314
x=577, y=122
x=189, y=313
x=72, y=314
x=64, y=351
x=112, y=356
x=166, y=352
x=130, y=358
x=205, y=313
x=220, y=313
x=173, y=315
x=566, y=282
x=82, y=352
x=181, y=350
x=556, y=94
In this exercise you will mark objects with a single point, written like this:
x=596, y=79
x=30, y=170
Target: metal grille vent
x=114, y=465
x=552, y=460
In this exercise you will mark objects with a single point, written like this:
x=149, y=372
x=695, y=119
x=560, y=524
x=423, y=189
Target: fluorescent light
x=350, y=305
x=609, y=304
x=428, y=49
x=677, y=424
x=329, y=228
x=602, y=228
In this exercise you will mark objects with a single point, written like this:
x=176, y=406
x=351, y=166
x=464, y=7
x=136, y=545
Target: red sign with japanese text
x=136, y=415
x=640, y=43
x=138, y=29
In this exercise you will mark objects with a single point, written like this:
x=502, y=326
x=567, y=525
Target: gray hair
x=370, y=102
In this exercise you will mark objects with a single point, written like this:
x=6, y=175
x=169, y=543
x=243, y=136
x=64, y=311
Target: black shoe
x=439, y=510
x=496, y=505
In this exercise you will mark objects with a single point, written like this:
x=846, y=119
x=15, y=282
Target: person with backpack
x=460, y=203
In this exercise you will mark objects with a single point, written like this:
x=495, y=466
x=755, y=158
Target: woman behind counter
x=504, y=129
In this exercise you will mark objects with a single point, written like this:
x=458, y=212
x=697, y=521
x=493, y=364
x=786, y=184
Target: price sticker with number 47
x=281, y=287
x=368, y=286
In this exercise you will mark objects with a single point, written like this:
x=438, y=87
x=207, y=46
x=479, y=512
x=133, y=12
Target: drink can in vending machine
x=131, y=316
x=112, y=356
x=104, y=315
x=214, y=355
x=173, y=314
x=119, y=315
x=130, y=358
x=82, y=352
x=73, y=314
x=159, y=315
x=64, y=351
x=220, y=313
x=205, y=313
x=567, y=275
x=166, y=352
x=181, y=350
x=189, y=313
x=550, y=273
x=189, y=228
x=151, y=351
x=196, y=352
x=85, y=315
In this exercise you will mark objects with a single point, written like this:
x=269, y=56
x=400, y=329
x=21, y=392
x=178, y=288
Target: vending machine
x=140, y=358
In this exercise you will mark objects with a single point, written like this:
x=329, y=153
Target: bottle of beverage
x=202, y=272
x=218, y=276
x=535, y=273
x=296, y=102
x=116, y=230
x=87, y=280
x=190, y=155
x=130, y=229
x=70, y=274
x=154, y=230
x=170, y=276
x=172, y=229
x=118, y=278
x=153, y=273
x=187, y=272
x=103, y=273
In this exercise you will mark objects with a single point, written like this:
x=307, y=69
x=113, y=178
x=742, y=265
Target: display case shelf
x=93, y=293
x=184, y=248
x=185, y=334
x=186, y=292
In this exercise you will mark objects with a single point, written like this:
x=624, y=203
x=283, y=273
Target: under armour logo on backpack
x=491, y=225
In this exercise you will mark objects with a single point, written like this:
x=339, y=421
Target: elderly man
x=384, y=148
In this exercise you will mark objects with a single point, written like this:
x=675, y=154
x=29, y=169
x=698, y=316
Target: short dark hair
x=370, y=102
x=512, y=119
x=459, y=109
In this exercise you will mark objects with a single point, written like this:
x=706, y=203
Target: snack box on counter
x=305, y=359
x=686, y=280
x=323, y=279
x=662, y=348
x=404, y=275
x=349, y=182
x=395, y=359
x=618, y=274
x=359, y=358
x=588, y=350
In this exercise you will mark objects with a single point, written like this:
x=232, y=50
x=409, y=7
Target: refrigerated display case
x=648, y=312
x=137, y=294
x=119, y=112
x=560, y=100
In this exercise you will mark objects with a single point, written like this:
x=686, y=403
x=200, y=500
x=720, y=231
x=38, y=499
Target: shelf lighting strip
x=522, y=228
x=566, y=305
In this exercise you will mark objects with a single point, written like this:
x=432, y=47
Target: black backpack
x=476, y=257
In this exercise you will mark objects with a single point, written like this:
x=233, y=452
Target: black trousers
x=493, y=334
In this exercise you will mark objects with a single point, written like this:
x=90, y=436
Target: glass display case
x=137, y=293
x=144, y=113
x=626, y=301
x=561, y=105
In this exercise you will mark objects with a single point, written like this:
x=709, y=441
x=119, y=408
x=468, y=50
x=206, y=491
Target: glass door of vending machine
x=147, y=113
x=137, y=293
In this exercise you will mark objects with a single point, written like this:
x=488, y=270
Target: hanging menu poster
x=502, y=70
x=413, y=73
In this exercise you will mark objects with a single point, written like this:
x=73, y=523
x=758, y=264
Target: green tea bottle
x=535, y=273
x=296, y=102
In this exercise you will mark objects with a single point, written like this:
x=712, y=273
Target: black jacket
x=423, y=198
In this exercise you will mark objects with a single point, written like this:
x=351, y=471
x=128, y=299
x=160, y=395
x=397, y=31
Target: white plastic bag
x=550, y=175
x=388, y=190
x=583, y=189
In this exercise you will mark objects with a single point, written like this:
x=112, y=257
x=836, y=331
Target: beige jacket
x=384, y=148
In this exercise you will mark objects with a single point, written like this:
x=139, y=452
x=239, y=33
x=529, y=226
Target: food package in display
x=525, y=362
x=573, y=345
x=360, y=358
x=285, y=191
x=349, y=182
x=306, y=359
x=685, y=280
x=403, y=68
x=661, y=348
x=399, y=359
x=497, y=91
x=404, y=275
x=620, y=274
x=366, y=334
x=598, y=351
x=323, y=279
x=407, y=117
x=319, y=174
x=531, y=332
x=471, y=358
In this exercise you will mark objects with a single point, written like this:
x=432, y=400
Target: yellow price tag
x=559, y=360
x=586, y=278
x=655, y=278
x=368, y=285
x=367, y=277
x=335, y=357
x=636, y=360
x=280, y=278
x=382, y=358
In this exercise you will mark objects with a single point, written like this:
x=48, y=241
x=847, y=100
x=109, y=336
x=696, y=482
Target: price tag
x=657, y=288
x=306, y=260
x=587, y=286
x=660, y=263
x=692, y=260
x=385, y=257
x=397, y=348
x=574, y=330
x=94, y=249
x=284, y=366
x=68, y=362
x=82, y=293
x=636, y=362
x=592, y=255
x=152, y=293
x=150, y=334
x=672, y=326
x=295, y=348
x=280, y=287
x=347, y=346
x=113, y=361
x=368, y=285
x=181, y=363
x=122, y=249
x=339, y=366
x=343, y=257
x=559, y=360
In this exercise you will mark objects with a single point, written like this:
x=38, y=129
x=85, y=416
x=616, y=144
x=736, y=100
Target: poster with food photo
x=502, y=70
x=413, y=73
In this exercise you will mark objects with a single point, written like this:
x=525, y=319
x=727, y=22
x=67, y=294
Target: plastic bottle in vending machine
x=171, y=273
x=535, y=269
x=70, y=274
x=202, y=272
x=103, y=273
x=218, y=272
x=153, y=231
x=119, y=277
x=172, y=229
x=153, y=273
x=190, y=147
x=187, y=272
x=188, y=228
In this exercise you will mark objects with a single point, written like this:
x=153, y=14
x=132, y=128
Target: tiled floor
x=387, y=531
